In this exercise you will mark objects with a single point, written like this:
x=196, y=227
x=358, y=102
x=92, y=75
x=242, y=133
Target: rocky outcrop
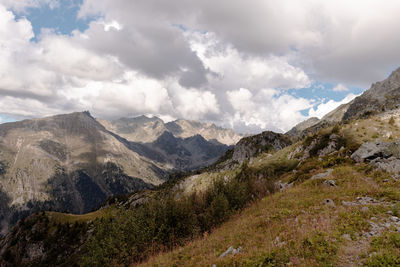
x=382, y=96
x=378, y=149
x=384, y=155
x=249, y=147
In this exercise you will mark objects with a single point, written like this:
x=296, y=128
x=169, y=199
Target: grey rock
x=283, y=186
x=329, y=202
x=322, y=175
x=394, y=219
x=383, y=155
x=231, y=251
x=250, y=146
x=329, y=183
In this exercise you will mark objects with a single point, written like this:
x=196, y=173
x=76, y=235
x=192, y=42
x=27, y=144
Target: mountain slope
x=66, y=163
x=382, y=96
x=297, y=129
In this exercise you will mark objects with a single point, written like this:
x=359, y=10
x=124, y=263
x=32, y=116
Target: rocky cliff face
x=67, y=163
x=249, y=147
x=382, y=96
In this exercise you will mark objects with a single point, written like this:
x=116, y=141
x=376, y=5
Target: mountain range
x=72, y=162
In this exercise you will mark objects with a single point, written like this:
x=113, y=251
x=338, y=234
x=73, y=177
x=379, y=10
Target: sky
x=249, y=65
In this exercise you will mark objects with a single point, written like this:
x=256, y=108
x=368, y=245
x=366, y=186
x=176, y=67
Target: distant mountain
x=72, y=163
x=181, y=154
x=66, y=163
x=186, y=128
x=140, y=129
x=144, y=129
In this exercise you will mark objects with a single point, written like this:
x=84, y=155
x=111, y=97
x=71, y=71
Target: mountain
x=73, y=163
x=66, y=163
x=182, y=154
x=146, y=130
x=382, y=96
x=186, y=128
x=140, y=129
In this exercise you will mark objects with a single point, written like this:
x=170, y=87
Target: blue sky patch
x=61, y=18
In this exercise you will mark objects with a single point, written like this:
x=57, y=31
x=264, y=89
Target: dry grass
x=296, y=216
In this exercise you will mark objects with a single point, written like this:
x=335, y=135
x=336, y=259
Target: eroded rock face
x=384, y=155
x=249, y=147
x=382, y=96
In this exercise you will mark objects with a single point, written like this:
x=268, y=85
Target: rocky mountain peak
x=382, y=96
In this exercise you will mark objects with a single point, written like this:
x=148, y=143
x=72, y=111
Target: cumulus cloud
x=21, y=5
x=265, y=109
x=231, y=63
x=324, y=108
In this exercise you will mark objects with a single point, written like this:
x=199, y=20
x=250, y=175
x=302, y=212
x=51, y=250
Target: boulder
x=384, y=155
x=378, y=149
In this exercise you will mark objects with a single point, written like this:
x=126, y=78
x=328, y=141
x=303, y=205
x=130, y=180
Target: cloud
x=22, y=5
x=324, y=108
x=337, y=41
x=267, y=109
x=231, y=63
x=340, y=88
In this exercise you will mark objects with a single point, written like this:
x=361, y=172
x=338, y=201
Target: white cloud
x=21, y=5
x=267, y=109
x=232, y=64
x=340, y=88
x=324, y=108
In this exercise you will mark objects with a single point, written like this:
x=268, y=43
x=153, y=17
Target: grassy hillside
x=297, y=227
